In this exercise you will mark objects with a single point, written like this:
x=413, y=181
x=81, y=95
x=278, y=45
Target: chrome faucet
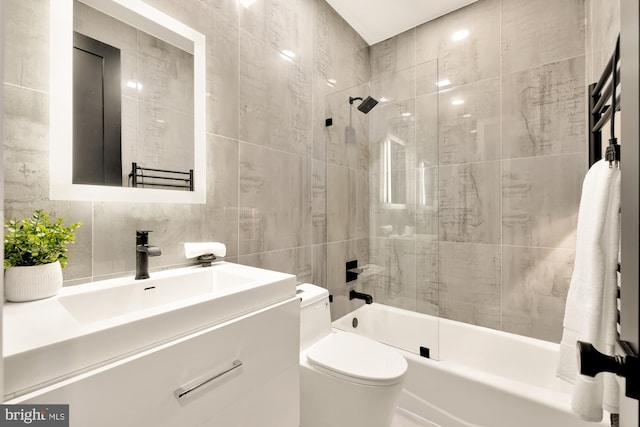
x=143, y=252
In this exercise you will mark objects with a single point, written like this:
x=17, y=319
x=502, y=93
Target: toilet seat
x=357, y=359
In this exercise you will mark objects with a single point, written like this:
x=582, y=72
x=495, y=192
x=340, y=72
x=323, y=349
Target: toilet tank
x=315, y=314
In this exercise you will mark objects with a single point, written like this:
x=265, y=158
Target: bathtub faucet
x=143, y=252
x=358, y=295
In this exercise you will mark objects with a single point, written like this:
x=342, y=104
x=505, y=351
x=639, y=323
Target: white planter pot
x=32, y=282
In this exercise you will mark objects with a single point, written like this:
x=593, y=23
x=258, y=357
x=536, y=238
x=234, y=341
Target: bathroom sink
x=88, y=325
x=132, y=297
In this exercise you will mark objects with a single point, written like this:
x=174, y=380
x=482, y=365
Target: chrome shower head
x=366, y=105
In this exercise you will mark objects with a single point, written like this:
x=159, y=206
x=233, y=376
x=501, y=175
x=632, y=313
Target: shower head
x=366, y=105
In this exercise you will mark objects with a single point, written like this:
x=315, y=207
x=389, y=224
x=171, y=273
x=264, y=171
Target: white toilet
x=346, y=380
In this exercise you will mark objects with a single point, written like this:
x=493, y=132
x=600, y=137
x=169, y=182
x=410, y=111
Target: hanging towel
x=192, y=250
x=590, y=312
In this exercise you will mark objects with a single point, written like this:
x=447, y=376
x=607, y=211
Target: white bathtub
x=476, y=377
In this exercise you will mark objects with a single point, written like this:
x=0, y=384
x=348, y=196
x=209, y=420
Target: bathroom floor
x=405, y=418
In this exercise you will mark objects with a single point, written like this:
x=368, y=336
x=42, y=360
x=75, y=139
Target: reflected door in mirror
x=97, y=150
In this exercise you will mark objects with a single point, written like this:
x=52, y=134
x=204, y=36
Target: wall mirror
x=127, y=102
x=395, y=174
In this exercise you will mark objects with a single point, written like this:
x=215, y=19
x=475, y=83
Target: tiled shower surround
x=486, y=172
x=484, y=228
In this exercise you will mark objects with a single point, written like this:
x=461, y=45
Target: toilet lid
x=357, y=358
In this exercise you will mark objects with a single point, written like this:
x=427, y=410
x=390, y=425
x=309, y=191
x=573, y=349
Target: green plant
x=37, y=240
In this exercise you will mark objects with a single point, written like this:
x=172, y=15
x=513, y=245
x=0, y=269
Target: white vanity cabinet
x=243, y=372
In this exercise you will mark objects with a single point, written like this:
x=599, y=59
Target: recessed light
x=473, y=131
x=457, y=101
x=466, y=115
x=406, y=114
x=384, y=99
x=443, y=83
x=459, y=35
x=247, y=3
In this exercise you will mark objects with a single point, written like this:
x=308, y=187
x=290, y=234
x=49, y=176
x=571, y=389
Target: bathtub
x=475, y=376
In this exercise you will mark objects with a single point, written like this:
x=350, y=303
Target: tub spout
x=358, y=295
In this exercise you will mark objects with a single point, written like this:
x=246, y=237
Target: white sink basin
x=131, y=297
x=88, y=325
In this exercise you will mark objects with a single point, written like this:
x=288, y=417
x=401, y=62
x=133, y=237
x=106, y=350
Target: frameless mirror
x=127, y=104
x=395, y=173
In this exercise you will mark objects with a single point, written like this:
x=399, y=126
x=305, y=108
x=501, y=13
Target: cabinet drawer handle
x=186, y=389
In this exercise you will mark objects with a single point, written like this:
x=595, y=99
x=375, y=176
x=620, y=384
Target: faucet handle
x=142, y=237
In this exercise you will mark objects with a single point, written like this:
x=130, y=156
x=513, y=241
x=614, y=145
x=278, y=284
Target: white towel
x=192, y=250
x=590, y=313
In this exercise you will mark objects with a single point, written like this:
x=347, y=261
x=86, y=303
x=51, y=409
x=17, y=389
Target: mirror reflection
x=395, y=171
x=133, y=106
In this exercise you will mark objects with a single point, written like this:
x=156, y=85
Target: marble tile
x=340, y=62
x=397, y=218
x=319, y=115
x=393, y=87
x=362, y=204
x=164, y=139
x=393, y=281
x=535, y=282
x=26, y=43
x=469, y=121
x=536, y=32
x=532, y=103
x=340, y=56
x=26, y=147
x=602, y=29
x=338, y=253
x=114, y=234
x=274, y=95
x=319, y=265
x=476, y=57
x=281, y=24
x=540, y=200
x=166, y=74
x=427, y=282
x=427, y=78
x=223, y=75
x=275, y=200
x=394, y=54
x=470, y=202
x=296, y=261
x=347, y=140
x=427, y=132
x=470, y=283
x=342, y=203
x=427, y=194
x=222, y=192
x=319, y=201
x=393, y=131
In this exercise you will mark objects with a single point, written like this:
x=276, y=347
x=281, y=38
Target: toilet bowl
x=345, y=379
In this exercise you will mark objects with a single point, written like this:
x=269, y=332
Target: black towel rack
x=149, y=177
x=604, y=102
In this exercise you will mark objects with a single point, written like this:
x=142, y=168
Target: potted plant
x=35, y=251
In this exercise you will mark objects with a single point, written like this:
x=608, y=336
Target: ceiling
x=378, y=20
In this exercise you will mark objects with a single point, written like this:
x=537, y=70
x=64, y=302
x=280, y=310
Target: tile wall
x=266, y=150
x=486, y=235
x=505, y=158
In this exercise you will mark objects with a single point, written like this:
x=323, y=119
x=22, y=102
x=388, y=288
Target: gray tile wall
x=266, y=150
x=507, y=163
